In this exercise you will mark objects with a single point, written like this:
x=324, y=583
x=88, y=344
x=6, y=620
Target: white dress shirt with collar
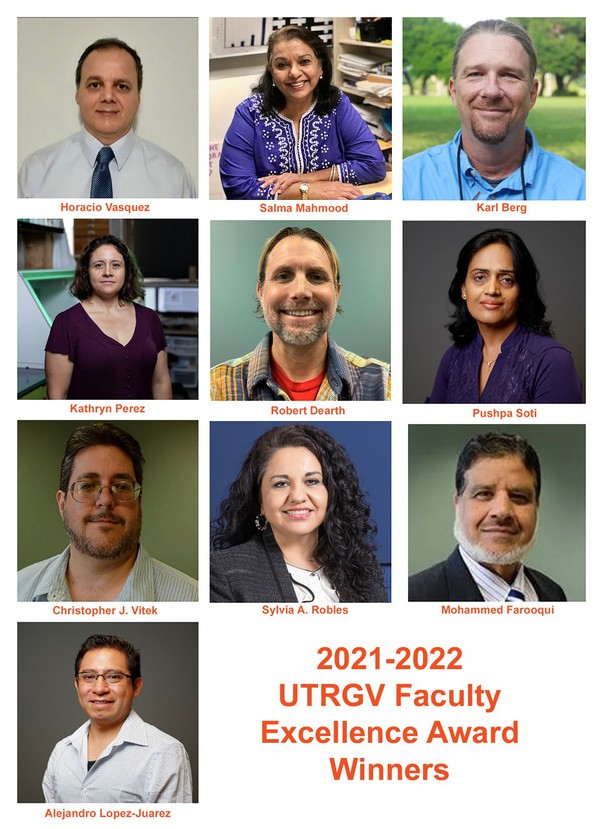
x=139, y=169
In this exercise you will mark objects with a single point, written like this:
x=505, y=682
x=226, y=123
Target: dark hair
x=100, y=434
x=302, y=233
x=498, y=27
x=105, y=43
x=132, y=287
x=104, y=640
x=497, y=445
x=327, y=95
x=346, y=547
x=532, y=310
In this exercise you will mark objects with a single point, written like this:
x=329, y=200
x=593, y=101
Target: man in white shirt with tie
x=106, y=159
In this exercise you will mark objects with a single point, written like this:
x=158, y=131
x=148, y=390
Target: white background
x=544, y=666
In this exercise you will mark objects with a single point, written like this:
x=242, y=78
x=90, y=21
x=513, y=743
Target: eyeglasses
x=111, y=677
x=87, y=492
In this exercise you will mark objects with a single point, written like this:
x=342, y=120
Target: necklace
x=490, y=363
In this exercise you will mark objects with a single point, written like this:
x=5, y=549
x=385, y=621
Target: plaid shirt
x=349, y=377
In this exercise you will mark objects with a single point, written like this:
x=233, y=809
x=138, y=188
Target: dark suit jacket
x=450, y=581
x=255, y=572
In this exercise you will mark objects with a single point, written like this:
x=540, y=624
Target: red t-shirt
x=306, y=390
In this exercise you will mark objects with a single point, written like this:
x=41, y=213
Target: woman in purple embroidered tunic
x=107, y=346
x=298, y=136
x=503, y=351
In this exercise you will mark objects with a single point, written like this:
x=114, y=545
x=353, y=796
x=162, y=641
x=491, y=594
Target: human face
x=106, y=705
x=293, y=495
x=106, y=270
x=492, y=90
x=108, y=94
x=299, y=295
x=496, y=515
x=491, y=289
x=296, y=71
x=105, y=529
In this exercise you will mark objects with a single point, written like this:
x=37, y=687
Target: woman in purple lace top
x=503, y=351
x=298, y=136
x=107, y=346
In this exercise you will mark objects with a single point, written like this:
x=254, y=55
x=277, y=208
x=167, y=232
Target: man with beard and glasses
x=99, y=501
x=298, y=290
x=498, y=482
x=494, y=155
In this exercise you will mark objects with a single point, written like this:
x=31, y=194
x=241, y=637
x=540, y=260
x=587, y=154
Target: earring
x=321, y=77
x=272, y=84
x=463, y=295
x=261, y=523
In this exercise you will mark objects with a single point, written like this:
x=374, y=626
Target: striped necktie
x=515, y=595
x=101, y=180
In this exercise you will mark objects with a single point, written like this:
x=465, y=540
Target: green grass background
x=558, y=124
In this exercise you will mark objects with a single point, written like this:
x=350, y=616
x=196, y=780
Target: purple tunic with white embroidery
x=266, y=145
x=530, y=369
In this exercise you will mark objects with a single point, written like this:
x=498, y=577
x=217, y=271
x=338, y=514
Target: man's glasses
x=111, y=677
x=88, y=492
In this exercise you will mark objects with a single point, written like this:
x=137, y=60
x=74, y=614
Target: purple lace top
x=530, y=369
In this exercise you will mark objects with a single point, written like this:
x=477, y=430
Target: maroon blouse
x=103, y=369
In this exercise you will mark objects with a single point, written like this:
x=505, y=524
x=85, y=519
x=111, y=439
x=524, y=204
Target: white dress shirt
x=139, y=169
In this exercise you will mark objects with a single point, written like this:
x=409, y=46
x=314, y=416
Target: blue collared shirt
x=432, y=174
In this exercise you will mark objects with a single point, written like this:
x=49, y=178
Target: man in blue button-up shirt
x=493, y=155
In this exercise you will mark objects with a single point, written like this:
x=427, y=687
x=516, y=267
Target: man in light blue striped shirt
x=100, y=504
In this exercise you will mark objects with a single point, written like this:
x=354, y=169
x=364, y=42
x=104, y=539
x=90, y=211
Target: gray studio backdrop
x=48, y=709
x=560, y=548
x=430, y=253
x=364, y=251
x=169, y=498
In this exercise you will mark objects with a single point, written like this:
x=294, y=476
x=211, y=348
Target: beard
x=479, y=553
x=303, y=333
x=491, y=137
x=122, y=547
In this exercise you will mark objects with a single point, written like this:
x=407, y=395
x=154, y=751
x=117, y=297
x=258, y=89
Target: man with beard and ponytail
x=298, y=290
x=99, y=501
x=498, y=483
x=494, y=155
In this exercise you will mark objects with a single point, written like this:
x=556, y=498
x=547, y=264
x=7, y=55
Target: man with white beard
x=498, y=483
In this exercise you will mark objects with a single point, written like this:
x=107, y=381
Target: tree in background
x=428, y=43
x=560, y=44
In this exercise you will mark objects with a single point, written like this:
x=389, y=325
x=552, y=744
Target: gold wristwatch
x=304, y=190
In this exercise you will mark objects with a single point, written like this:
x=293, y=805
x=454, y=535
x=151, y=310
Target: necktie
x=515, y=595
x=101, y=180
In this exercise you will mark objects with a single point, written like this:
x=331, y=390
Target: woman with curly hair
x=295, y=526
x=297, y=136
x=504, y=350
x=107, y=346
